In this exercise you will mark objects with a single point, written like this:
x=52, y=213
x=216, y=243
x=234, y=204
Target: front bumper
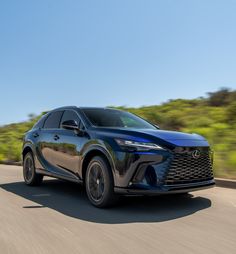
x=164, y=189
x=163, y=171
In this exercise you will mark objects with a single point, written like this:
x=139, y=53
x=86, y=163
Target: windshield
x=115, y=118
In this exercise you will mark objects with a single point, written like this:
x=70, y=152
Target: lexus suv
x=113, y=152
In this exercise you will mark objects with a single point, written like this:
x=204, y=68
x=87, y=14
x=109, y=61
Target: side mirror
x=70, y=125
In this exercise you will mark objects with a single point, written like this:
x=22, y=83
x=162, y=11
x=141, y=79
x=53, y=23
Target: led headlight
x=139, y=146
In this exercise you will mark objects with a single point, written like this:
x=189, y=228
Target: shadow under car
x=70, y=199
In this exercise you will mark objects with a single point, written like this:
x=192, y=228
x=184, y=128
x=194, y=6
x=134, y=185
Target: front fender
x=101, y=147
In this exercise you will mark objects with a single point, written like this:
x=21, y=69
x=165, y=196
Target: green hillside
x=213, y=117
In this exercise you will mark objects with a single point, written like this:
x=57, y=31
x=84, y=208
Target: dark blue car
x=113, y=152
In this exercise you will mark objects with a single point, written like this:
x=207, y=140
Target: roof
x=75, y=107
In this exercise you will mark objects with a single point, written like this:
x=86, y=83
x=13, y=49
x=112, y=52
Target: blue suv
x=113, y=152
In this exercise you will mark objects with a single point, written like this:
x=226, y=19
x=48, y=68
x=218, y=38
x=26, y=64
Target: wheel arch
x=96, y=151
x=27, y=148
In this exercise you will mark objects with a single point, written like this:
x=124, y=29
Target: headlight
x=138, y=146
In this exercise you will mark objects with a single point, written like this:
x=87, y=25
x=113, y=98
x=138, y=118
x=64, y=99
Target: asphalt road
x=57, y=218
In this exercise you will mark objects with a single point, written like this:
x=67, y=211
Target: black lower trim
x=47, y=173
x=165, y=189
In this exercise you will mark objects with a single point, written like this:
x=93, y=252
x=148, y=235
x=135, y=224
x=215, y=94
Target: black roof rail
x=65, y=107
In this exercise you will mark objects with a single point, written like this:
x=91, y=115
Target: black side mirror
x=70, y=125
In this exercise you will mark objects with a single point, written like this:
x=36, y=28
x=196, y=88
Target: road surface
x=57, y=218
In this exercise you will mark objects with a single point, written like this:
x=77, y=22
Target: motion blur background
x=179, y=56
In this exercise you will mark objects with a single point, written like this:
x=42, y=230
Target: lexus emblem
x=196, y=154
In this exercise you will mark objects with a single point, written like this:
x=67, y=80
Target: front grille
x=186, y=169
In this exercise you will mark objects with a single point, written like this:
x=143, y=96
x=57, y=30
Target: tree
x=219, y=98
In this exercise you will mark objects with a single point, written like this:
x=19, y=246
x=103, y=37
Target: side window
x=40, y=122
x=81, y=126
x=70, y=115
x=53, y=120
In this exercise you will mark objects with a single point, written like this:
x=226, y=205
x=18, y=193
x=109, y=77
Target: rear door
x=48, y=141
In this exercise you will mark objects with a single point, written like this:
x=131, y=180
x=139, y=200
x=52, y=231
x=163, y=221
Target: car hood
x=172, y=137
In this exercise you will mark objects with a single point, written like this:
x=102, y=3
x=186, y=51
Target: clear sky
x=114, y=52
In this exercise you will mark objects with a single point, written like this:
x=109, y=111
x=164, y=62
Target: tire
x=99, y=183
x=31, y=178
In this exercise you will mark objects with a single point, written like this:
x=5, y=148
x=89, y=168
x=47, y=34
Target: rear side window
x=40, y=123
x=53, y=120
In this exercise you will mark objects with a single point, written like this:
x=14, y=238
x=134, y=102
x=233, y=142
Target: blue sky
x=113, y=52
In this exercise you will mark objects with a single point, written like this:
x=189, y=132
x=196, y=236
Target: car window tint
x=129, y=122
x=81, y=126
x=40, y=122
x=116, y=119
x=53, y=120
x=69, y=115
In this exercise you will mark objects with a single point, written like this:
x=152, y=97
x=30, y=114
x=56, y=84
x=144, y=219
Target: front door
x=69, y=144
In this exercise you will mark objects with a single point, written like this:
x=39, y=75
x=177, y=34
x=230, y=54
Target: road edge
x=11, y=163
x=225, y=183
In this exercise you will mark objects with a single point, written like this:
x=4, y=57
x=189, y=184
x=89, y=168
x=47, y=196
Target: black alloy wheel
x=30, y=176
x=99, y=183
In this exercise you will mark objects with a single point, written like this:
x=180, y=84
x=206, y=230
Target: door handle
x=56, y=137
x=35, y=135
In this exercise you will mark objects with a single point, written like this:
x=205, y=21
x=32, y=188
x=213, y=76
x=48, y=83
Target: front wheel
x=99, y=183
x=30, y=176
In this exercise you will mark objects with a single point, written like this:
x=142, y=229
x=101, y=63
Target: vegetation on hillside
x=213, y=117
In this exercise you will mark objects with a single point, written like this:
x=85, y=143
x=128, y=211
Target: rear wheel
x=99, y=183
x=30, y=176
